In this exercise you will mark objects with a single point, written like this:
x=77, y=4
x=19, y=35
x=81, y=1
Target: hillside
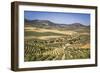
x=51, y=25
x=46, y=40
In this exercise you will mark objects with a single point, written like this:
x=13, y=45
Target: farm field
x=49, y=42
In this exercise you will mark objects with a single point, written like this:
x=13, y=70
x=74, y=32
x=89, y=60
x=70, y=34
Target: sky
x=58, y=17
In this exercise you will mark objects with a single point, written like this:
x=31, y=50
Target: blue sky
x=58, y=17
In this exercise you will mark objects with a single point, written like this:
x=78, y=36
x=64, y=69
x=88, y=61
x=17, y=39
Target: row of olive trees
x=35, y=48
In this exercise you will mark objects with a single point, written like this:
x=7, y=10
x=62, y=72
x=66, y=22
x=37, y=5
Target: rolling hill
x=46, y=40
x=49, y=24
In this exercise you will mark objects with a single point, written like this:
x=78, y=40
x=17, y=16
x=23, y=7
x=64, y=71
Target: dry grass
x=86, y=46
x=34, y=29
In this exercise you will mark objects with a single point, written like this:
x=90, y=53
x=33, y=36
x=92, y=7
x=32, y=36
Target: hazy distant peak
x=77, y=24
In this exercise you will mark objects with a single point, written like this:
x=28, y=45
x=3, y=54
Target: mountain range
x=47, y=23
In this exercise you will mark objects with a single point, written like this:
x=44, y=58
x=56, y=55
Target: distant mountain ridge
x=52, y=24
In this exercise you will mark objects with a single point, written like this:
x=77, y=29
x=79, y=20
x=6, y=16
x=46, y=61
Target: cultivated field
x=41, y=44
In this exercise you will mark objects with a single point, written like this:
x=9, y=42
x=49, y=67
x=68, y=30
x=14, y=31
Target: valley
x=45, y=40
